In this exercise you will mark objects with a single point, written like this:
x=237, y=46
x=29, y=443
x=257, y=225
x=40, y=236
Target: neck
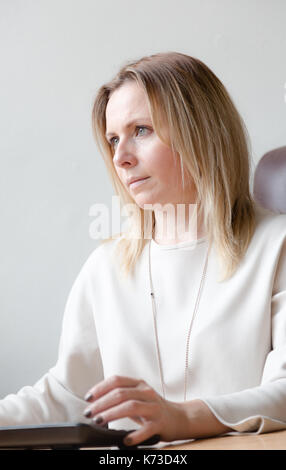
x=180, y=223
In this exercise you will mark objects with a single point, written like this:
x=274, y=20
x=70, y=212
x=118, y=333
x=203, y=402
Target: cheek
x=160, y=157
x=120, y=176
x=167, y=165
x=118, y=171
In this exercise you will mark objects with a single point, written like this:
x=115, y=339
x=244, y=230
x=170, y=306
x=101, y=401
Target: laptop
x=65, y=436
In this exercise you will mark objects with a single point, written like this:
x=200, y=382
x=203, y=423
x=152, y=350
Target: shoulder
x=97, y=270
x=101, y=258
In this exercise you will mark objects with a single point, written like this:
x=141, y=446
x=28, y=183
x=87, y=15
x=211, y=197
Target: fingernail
x=128, y=441
x=98, y=420
x=87, y=413
x=88, y=396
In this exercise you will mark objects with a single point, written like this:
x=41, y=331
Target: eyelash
x=137, y=127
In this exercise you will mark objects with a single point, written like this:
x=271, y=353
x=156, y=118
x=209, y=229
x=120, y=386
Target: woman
x=153, y=334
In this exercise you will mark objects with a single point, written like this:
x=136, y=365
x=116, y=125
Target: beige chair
x=269, y=188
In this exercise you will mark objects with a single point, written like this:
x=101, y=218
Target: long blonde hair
x=208, y=133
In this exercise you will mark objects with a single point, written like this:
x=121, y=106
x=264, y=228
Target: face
x=139, y=153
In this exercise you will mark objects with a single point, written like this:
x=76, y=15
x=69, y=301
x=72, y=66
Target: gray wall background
x=54, y=54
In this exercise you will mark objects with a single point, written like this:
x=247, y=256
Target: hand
x=120, y=397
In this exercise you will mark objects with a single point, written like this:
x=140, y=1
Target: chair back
x=269, y=188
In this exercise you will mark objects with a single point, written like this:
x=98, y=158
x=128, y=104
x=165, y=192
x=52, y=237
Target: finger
x=136, y=437
x=110, y=383
x=128, y=409
x=117, y=396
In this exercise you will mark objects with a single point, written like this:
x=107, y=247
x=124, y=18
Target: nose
x=124, y=154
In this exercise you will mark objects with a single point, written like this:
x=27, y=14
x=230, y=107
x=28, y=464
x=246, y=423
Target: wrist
x=200, y=421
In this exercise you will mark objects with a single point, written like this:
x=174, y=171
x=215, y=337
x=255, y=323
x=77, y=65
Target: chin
x=141, y=201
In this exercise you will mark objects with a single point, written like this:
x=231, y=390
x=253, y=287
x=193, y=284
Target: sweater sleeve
x=58, y=395
x=263, y=408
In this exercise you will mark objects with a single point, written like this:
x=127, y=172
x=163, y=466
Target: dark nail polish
x=128, y=441
x=88, y=396
x=87, y=413
x=98, y=420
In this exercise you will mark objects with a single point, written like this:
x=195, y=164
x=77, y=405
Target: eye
x=142, y=127
x=113, y=142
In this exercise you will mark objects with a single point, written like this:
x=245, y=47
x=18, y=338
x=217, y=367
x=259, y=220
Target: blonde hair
x=206, y=130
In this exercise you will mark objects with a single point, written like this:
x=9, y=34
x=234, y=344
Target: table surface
x=269, y=441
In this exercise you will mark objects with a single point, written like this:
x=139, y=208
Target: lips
x=136, y=179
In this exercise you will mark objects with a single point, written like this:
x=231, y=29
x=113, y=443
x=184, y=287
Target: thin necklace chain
x=190, y=327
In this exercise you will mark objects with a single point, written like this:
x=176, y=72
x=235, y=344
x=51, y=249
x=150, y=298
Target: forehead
x=125, y=104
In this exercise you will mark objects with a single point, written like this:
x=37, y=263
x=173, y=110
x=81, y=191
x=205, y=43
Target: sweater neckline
x=178, y=246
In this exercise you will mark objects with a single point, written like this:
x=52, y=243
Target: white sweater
x=237, y=354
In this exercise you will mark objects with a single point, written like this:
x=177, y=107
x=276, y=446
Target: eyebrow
x=128, y=125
